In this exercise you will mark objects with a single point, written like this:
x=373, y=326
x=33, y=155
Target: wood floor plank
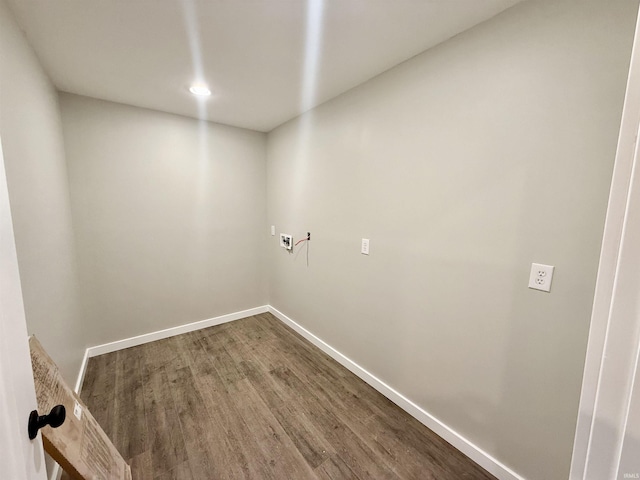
x=334, y=468
x=225, y=366
x=355, y=453
x=99, y=390
x=276, y=447
x=252, y=399
x=195, y=424
x=345, y=393
x=130, y=431
x=141, y=466
x=306, y=437
x=100, y=375
x=294, y=391
x=181, y=471
x=166, y=442
x=231, y=437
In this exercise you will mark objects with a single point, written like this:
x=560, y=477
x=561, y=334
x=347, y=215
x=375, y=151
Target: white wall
x=169, y=214
x=463, y=166
x=37, y=179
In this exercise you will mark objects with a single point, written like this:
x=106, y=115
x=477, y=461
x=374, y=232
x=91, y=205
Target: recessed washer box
x=286, y=241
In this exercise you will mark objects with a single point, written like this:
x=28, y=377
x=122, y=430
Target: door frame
x=21, y=458
x=611, y=361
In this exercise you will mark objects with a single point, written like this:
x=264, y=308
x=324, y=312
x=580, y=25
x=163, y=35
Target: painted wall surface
x=31, y=133
x=169, y=216
x=463, y=166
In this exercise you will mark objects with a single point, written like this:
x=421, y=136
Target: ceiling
x=266, y=61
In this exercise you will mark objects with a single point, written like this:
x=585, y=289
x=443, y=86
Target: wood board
x=79, y=445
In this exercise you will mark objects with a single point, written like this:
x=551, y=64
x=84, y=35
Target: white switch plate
x=365, y=246
x=541, y=276
x=273, y=230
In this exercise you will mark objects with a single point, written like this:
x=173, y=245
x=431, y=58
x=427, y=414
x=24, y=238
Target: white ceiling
x=253, y=53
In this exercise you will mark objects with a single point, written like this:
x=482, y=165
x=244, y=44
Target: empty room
x=320, y=239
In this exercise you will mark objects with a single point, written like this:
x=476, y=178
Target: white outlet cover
x=273, y=230
x=541, y=276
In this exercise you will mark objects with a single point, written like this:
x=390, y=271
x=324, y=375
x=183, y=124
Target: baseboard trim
x=110, y=347
x=172, y=332
x=482, y=458
x=81, y=373
x=478, y=455
x=56, y=471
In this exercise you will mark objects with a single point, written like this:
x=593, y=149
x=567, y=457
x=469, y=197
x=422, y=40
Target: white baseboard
x=471, y=450
x=83, y=370
x=478, y=455
x=172, y=332
x=56, y=471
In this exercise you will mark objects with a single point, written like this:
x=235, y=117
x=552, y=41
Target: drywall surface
x=31, y=133
x=463, y=166
x=169, y=215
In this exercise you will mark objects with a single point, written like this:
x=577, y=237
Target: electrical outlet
x=365, y=246
x=286, y=241
x=541, y=276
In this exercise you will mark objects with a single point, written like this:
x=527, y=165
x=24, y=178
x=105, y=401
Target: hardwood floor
x=253, y=399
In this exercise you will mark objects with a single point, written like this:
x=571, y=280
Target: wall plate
x=364, y=248
x=286, y=241
x=541, y=276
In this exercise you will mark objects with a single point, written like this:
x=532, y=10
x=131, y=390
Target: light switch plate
x=541, y=276
x=365, y=246
x=273, y=230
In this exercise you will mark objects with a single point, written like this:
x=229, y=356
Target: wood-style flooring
x=253, y=399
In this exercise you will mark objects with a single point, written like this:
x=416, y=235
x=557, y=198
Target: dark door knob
x=54, y=419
